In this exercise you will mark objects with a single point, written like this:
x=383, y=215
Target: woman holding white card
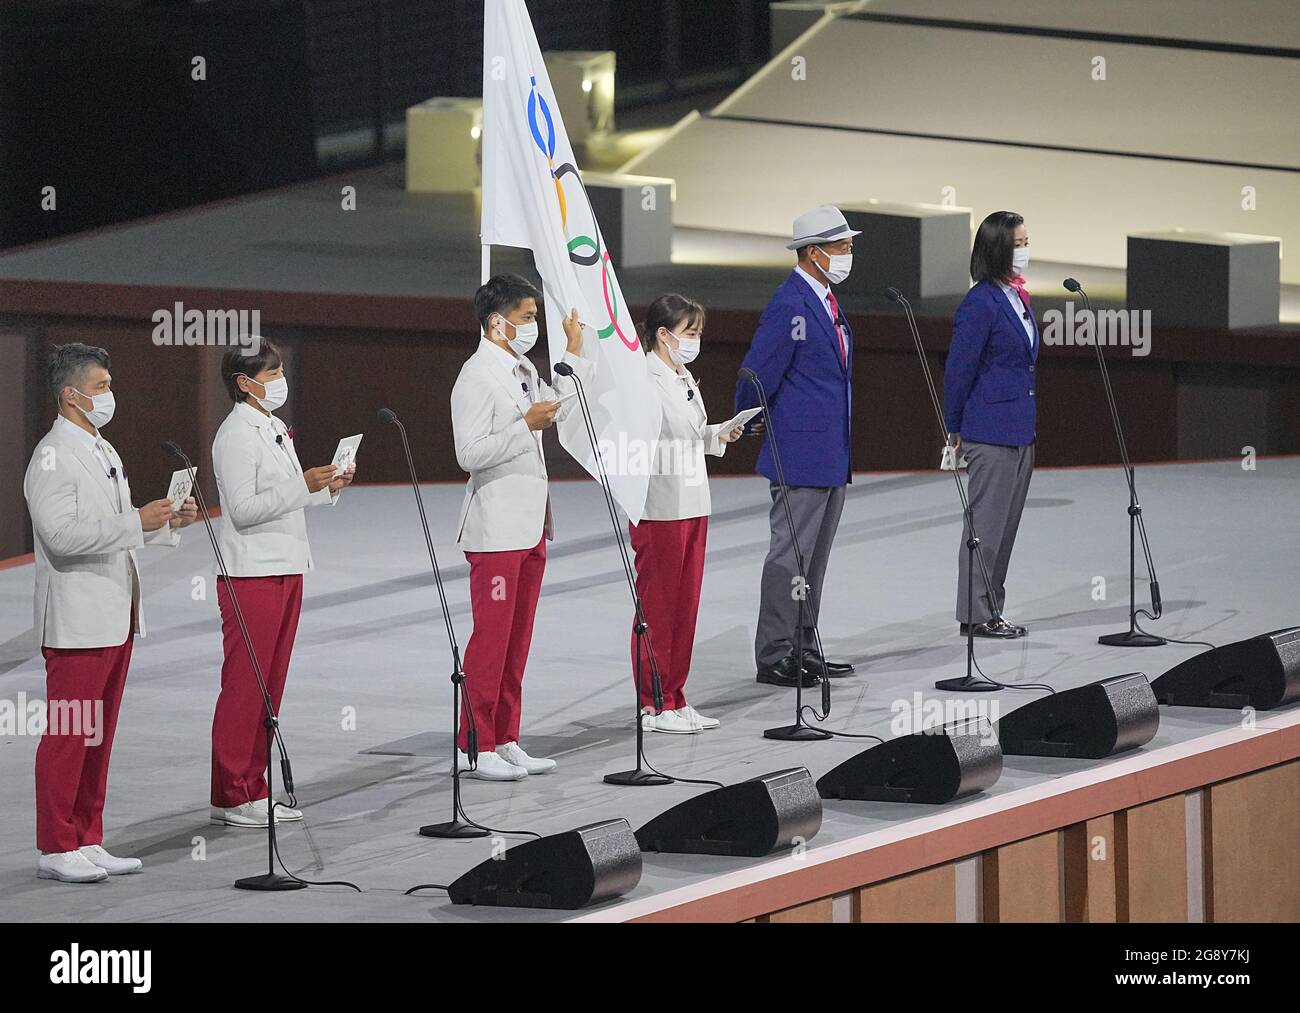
x=669, y=542
x=263, y=541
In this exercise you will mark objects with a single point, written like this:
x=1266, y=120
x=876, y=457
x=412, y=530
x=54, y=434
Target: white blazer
x=87, y=578
x=507, y=503
x=679, y=482
x=263, y=531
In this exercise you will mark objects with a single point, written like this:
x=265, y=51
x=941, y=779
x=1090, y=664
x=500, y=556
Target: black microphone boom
x=460, y=825
x=799, y=731
x=968, y=682
x=271, y=880
x=639, y=776
x=1137, y=529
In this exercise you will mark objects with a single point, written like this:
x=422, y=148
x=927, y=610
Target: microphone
x=799, y=730
x=1137, y=525
x=172, y=449
x=640, y=628
x=271, y=880
x=974, y=556
x=460, y=825
x=279, y=439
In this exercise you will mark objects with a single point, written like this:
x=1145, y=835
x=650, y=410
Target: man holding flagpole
x=499, y=407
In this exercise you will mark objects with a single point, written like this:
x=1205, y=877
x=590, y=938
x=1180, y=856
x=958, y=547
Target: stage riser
x=1221, y=853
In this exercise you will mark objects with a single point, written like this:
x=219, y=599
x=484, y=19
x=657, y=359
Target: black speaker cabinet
x=565, y=871
x=753, y=818
x=1262, y=672
x=1093, y=721
x=934, y=766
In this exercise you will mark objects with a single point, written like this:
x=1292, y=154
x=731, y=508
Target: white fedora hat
x=820, y=225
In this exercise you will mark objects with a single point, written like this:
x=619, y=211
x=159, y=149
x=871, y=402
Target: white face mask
x=276, y=394
x=524, y=339
x=840, y=267
x=686, y=351
x=101, y=411
x=1020, y=259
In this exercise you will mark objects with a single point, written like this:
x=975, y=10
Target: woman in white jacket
x=263, y=540
x=670, y=540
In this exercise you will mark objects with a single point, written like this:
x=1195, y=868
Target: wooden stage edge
x=1122, y=786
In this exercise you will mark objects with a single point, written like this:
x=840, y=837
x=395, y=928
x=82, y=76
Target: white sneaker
x=69, y=867
x=251, y=814
x=111, y=864
x=283, y=813
x=671, y=722
x=690, y=713
x=491, y=767
x=512, y=752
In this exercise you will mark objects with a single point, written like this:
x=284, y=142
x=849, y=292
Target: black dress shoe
x=818, y=665
x=783, y=673
x=1020, y=630
x=996, y=629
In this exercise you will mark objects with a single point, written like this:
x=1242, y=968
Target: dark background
x=97, y=100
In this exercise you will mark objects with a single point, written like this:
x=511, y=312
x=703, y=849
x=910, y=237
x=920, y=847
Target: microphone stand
x=460, y=825
x=799, y=731
x=270, y=880
x=967, y=683
x=1132, y=637
x=637, y=777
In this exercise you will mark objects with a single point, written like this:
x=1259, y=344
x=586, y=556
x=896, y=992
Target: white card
x=178, y=491
x=740, y=420
x=345, y=455
x=948, y=461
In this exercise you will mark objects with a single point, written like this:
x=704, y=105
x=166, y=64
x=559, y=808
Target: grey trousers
x=816, y=515
x=997, y=484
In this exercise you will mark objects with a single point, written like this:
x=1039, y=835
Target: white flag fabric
x=533, y=198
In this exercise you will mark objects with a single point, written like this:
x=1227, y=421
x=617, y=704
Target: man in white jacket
x=499, y=407
x=87, y=608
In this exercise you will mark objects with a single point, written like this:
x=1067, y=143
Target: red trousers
x=669, y=573
x=83, y=690
x=271, y=606
x=503, y=592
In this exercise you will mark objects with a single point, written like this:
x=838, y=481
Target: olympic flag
x=533, y=198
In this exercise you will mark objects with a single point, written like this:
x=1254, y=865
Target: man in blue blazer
x=802, y=354
x=990, y=396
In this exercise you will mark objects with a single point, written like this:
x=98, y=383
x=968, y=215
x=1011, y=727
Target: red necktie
x=1018, y=283
x=835, y=312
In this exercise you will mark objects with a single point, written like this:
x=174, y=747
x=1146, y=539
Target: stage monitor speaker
x=934, y=766
x=752, y=818
x=1091, y=722
x=566, y=871
x=1262, y=672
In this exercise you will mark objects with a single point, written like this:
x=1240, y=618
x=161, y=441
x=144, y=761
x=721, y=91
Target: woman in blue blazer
x=990, y=393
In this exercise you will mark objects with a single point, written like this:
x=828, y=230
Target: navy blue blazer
x=990, y=382
x=796, y=354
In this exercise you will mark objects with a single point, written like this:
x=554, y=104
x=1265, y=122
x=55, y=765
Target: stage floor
x=371, y=644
